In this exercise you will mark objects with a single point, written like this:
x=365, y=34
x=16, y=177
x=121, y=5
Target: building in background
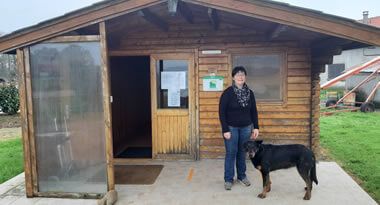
x=349, y=59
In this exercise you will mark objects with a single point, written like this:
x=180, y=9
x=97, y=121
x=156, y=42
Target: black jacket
x=232, y=114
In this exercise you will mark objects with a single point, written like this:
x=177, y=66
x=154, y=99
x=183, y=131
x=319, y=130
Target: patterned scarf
x=242, y=94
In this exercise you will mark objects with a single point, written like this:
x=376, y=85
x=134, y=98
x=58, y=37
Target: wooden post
x=107, y=106
x=29, y=100
x=24, y=123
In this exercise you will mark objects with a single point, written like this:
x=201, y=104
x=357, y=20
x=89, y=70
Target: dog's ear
x=259, y=142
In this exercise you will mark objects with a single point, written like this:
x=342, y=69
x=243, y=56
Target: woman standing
x=238, y=117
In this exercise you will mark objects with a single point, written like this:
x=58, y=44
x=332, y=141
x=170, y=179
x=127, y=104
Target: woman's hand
x=227, y=135
x=254, y=134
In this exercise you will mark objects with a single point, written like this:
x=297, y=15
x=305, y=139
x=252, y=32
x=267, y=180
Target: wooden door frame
x=171, y=55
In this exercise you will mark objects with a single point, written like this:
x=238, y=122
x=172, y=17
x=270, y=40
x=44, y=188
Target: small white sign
x=213, y=83
x=211, y=52
x=174, y=98
x=173, y=80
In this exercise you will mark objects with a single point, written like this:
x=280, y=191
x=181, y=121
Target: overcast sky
x=16, y=14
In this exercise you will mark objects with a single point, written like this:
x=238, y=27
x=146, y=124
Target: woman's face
x=239, y=78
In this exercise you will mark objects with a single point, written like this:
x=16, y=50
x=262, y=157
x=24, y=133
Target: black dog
x=267, y=158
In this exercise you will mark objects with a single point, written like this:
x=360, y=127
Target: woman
x=238, y=117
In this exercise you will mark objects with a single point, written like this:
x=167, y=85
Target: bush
x=9, y=99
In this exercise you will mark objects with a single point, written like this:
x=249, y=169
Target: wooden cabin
x=97, y=84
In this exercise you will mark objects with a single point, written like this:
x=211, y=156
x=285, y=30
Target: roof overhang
x=262, y=9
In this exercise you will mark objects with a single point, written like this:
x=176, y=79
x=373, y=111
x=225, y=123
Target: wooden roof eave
x=71, y=22
x=300, y=18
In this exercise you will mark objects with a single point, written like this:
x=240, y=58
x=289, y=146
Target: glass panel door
x=68, y=117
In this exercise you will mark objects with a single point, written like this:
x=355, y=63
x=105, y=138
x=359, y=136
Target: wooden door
x=172, y=89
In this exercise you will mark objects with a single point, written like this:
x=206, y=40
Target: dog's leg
x=266, y=184
x=269, y=187
x=306, y=177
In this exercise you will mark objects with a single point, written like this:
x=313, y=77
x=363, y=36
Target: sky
x=17, y=14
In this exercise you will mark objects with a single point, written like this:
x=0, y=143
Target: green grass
x=11, y=159
x=353, y=140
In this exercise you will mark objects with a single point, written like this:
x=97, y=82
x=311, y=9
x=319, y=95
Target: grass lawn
x=353, y=140
x=11, y=158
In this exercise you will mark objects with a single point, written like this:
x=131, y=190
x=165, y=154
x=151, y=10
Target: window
x=172, y=85
x=264, y=74
x=334, y=70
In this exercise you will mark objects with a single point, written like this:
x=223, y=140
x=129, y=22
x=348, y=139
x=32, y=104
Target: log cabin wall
x=286, y=122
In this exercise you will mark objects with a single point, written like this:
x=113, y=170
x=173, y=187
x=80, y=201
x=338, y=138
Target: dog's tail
x=313, y=172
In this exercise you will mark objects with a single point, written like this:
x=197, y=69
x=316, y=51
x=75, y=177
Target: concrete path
x=176, y=185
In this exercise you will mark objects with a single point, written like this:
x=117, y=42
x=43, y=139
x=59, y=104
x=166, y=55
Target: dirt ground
x=10, y=126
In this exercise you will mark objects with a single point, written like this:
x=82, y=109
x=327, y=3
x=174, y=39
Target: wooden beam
x=154, y=19
x=73, y=22
x=286, y=15
x=24, y=123
x=185, y=11
x=107, y=106
x=30, y=115
x=276, y=32
x=172, y=7
x=73, y=39
x=214, y=19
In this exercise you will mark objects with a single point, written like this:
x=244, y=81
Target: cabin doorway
x=131, y=106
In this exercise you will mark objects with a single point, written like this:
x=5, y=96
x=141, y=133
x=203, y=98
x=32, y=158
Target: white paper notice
x=174, y=97
x=173, y=80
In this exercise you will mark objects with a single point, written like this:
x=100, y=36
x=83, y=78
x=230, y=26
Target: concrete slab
x=205, y=186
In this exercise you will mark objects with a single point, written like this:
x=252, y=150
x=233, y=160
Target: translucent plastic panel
x=264, y=74
x=68, y=117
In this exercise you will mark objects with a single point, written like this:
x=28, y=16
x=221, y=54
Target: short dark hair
x=238, y=69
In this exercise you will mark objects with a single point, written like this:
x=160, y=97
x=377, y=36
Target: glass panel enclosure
x=172, y=84
x=68, y=117
x=263, y=74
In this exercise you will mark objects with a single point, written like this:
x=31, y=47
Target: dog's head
x=252, y=147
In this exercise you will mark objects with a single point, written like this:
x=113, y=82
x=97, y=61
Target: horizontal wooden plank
x=262, y=122
x=212, y=142
x=207, y=115
x=299, y=79
x=282, y=115
x=298, y=72
x=211, y=155
x=219, y=149
x=263, y=134
x=205, y=94
x=298, y=93
x=214, y=108
x=285, y=129
x=299, y=65
x=299, y=86
x=283, y=122
x=262, y=115
x=263, y=107
x=213, y=60
x=208, y=101
x=210, y=128
x=298, y=57
x=219, y=67
x=298, y=101
x=209, y=122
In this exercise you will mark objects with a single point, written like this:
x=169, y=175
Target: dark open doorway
x=131, y=107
